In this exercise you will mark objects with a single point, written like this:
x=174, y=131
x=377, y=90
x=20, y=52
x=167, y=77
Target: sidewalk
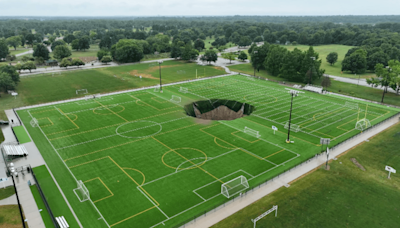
x=252, y=196
x=12, y=200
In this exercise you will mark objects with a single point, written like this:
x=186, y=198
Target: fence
x=308, y=160
x=53, y=219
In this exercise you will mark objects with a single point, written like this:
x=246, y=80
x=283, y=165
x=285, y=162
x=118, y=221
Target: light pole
x=159, y=66
x=293, y=93
x=313, y=58
x=254, y=52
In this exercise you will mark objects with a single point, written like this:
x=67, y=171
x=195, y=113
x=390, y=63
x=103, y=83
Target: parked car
x=3, y=122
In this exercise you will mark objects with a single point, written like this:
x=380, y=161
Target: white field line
x=199, y=195
x=136, y=129
x=138, y=188
x=189, y=160
x=69, y=205
x=308, y=114
x=340, y=120
x=330, y=117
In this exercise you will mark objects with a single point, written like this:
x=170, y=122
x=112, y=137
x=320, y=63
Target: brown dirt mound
x=88, y=59
x=220, y=113
x=357, y=164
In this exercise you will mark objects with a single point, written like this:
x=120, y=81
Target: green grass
x=18, y=51
x=10, y=217
x=38, y=89
x=53, y=196
x=140, y=152
x=40, y=204
x=6, y=192
x=363, y=92
x=345, y=196
x=21, y=134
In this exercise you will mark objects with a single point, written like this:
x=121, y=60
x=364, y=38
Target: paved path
x=24, y=53
x=250, y=197
x=11, y=200
x=361, y=82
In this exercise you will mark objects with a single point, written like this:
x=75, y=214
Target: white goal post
x=183, y=90
x=176, y=99
x=362, y=124
x=234, y=186
x=351, y=105
x=251, y=132
x=34, y=122
x=157, y=88
x=293, y=127
x=81, y=91
x=82, y=191
x=274, y=208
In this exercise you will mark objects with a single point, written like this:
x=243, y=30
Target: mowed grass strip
x=21, y=134
x=40, y=204
x=344, y=196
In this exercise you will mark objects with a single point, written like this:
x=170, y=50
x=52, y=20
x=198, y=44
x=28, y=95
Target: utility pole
x=293, y=93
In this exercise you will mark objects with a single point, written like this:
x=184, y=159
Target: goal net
x=157, y=88
x=251, y=132
x=34, y=122
x=176, y=99
x=81, y=91
x=351, y=105
x=83, y=193
x=87, y=97
x=234, y=186
x=183, y=90
x=293, y=127
x=362, y=124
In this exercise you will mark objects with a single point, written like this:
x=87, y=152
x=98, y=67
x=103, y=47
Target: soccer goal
x=251, y=132
x=183, y=90
x=34, y=122
x=82, y=191
x=157, y=88
x=81, y=91
x=87, y=97
x=293, y=127
x=351, y=105
x=97, y=95
x=234, y=186
x=176, y=99
x=363, y=124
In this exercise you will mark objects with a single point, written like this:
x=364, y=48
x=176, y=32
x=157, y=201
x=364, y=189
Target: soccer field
x=146, y=163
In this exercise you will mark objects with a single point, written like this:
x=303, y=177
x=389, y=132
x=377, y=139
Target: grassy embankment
x=345, y=196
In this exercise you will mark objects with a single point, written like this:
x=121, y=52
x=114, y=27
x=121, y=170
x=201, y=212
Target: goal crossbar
x=34, y=122
x=293, y=127
x=176, y=99
x=234, y=186
x=251, y=132
x=362, y=124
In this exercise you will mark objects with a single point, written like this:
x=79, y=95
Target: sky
x=197, y=8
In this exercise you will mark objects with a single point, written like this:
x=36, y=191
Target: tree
x=25, y=58
x=258, y=39
x=230, y=55
x=6, y=82
x=77, y=62
x=11, y=58
x=127, y=50
x=332, y=58
x=75, y=44
x=244, y=41
x=106, y=59
x=211, y=56
x=326, y=82
x=274, y=61
x=375, y=58
x=65, y=62
x=57, y=43
x=386, y=76
x=29, y=66
x=101, y=54
x=69, y=38
x=4, y=51
x=61, y=52
x=242, y=56
x=30, y=38
x=11, y=71
x=14, y=41
x=356, y=63
x=189, y=53
x=18, y=66
x=84, y=43
x=199, y=44
x=41, y=51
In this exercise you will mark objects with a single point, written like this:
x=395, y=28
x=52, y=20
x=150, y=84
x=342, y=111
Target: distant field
x=18, y=51
x=344, y=196
x=147, y=164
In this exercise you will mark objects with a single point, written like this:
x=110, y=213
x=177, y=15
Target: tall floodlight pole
x=159, y=66
x=313, y=58
x=293, y=93
x=255, y=52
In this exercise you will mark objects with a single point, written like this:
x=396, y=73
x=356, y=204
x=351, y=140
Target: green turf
x=345, y=196
x=40, y=204
x=53, y=196
x=6, y=192
x=38, y=89
x=21, y=134
x=140, y=152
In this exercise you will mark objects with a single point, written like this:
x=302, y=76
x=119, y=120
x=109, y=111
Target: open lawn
x=21, y=134
x=38, y=89
x=344, y=196
x=146, y=163
x=6, y=192
x=18, y=51
x=363, y=92
x=10, y=217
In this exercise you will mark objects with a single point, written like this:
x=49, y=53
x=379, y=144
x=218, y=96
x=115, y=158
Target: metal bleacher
x=15, y=150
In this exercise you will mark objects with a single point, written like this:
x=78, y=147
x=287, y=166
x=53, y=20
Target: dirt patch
x=357, y=164
x=144, y=75
x=154, y=68
x=217, y=68
x=88, y=59
x=204, y=122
